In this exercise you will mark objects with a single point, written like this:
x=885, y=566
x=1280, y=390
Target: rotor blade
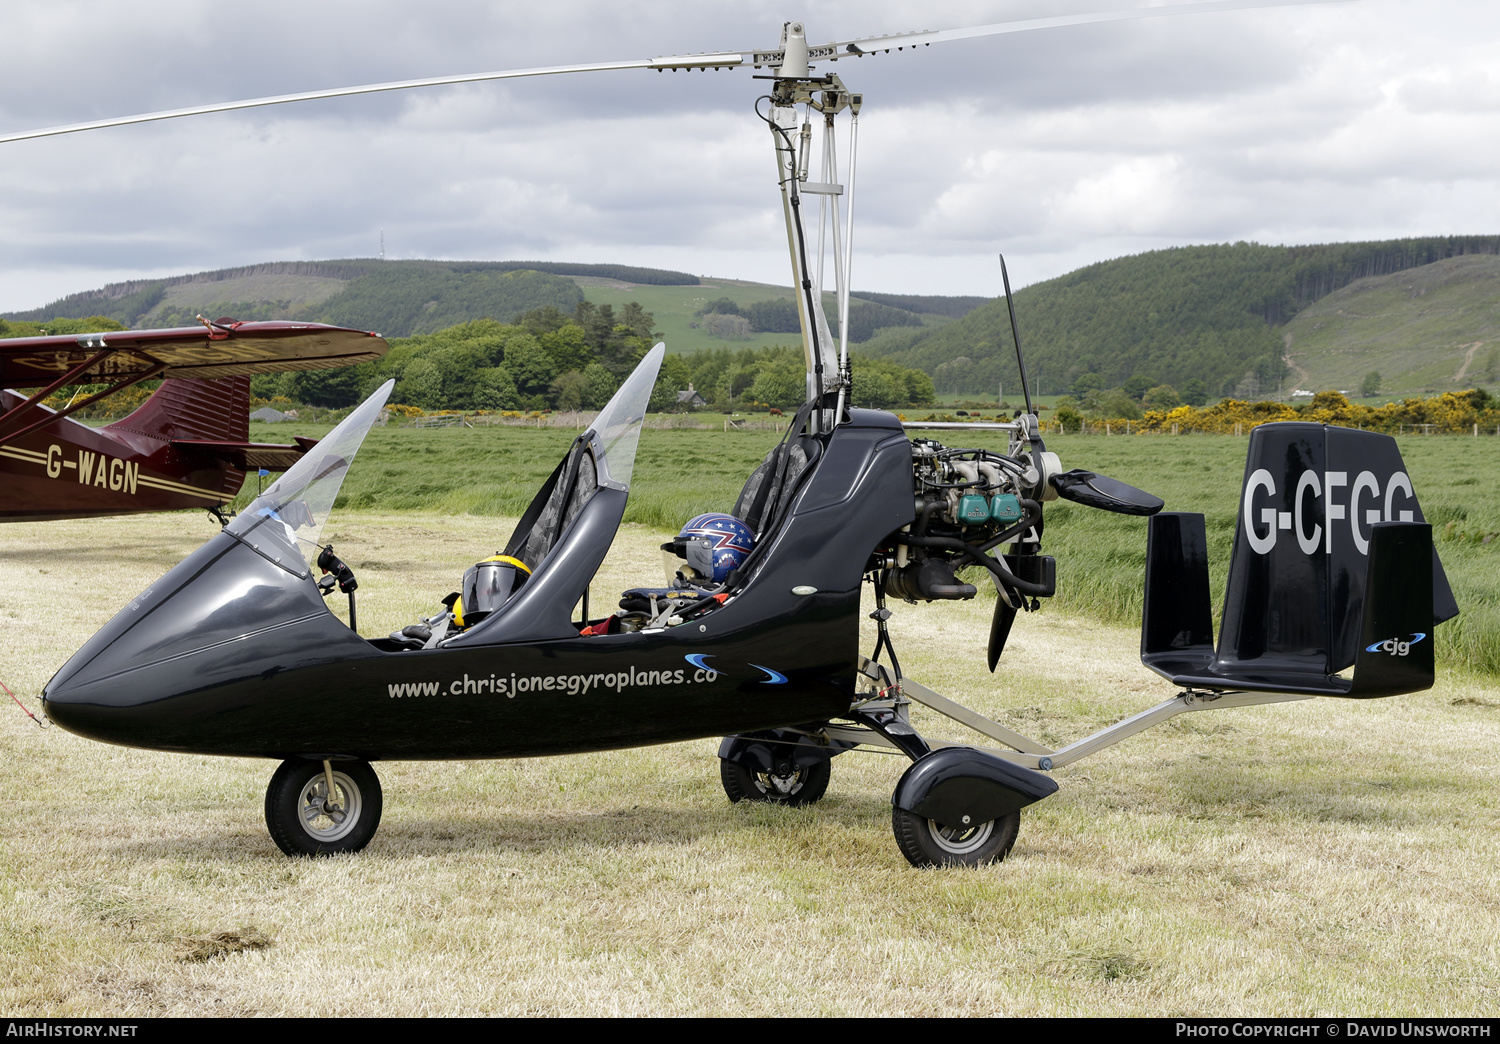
x=337, y=92
x=870, y=45
x=1105, y=493
x=710, y=60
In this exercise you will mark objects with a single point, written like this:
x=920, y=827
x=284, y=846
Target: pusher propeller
x=1105, y=493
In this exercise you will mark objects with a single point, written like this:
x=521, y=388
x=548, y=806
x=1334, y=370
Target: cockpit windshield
x=617, y=429
x=285, y=523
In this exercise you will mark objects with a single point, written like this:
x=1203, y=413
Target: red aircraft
x=186, y=446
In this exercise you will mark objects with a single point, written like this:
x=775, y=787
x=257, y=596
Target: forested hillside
x=1194, y=323
x=397, y=298
x=1429, y=329
x=732, y=321
x=1207, y=313
x=406, y=298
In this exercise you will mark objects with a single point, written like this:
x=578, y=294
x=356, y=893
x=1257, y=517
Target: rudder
x=1323, y=567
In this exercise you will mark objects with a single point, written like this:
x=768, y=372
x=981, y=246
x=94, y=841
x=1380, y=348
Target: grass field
x=1322, y=858
x=679, y=473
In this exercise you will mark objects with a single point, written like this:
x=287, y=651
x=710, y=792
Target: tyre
x=926, y=842
x=783, y=785
x=303, y=821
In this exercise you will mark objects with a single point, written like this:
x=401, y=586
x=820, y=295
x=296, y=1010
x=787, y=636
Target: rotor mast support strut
x=795, y=87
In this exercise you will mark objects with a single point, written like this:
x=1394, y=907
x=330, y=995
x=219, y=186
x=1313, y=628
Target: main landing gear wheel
x=785, y=784
x=304, y=819
x=926, y=842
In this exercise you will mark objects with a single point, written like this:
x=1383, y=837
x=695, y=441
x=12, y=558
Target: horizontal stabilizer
x=248, y=456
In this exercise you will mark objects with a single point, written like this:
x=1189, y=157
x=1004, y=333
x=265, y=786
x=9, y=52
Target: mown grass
x=1100, y=556
x=1320, y=859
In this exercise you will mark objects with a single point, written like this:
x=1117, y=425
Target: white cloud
x=1342, y=121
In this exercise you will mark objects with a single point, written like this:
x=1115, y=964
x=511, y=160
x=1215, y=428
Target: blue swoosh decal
x=696, y=659
x=1415, y=638
x=777, y=678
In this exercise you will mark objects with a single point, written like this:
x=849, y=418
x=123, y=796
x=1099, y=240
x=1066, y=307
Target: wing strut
x=18, y=414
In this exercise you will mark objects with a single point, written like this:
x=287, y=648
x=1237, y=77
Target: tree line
x=726, y=319
x=376, y=293
x=547, y=359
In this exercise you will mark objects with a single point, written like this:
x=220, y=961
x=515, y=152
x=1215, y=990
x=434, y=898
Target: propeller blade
x=1005, y=615
x=711, y=60
x=1105, y=493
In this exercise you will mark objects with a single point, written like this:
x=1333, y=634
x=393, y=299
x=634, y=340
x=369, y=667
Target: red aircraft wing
x=225, y=349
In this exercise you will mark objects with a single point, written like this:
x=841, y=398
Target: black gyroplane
x=235, y=652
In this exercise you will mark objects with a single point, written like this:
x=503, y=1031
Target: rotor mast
x=796, y=88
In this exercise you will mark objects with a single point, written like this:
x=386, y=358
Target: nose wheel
x=322, y=807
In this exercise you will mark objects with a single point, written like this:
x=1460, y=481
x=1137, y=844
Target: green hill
x=678, y=311
x=1245, y=320
x=397, y=298
x=1211, y=313
x=1425, y=330
x=409, y=298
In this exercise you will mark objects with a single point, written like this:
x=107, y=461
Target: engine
x=968, y=503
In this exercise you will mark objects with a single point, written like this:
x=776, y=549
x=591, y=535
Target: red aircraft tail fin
x=217, y=409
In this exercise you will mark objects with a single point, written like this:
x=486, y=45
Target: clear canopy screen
x=285, y=522
x=617, y=429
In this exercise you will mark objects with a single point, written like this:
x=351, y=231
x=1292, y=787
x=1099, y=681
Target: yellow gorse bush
x=1450, y=412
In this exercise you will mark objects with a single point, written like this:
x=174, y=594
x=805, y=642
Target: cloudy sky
x=1359, y=120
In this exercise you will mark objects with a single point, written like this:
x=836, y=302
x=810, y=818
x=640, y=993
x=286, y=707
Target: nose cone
x=75, y=711
x=155, y=676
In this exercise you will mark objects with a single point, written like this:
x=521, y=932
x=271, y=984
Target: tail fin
x=1331, y=552
x=217, y=409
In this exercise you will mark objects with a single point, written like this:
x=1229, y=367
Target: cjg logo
x=1396, y=646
